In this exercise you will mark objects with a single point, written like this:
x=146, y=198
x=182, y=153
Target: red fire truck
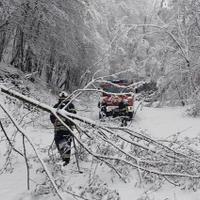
x=117, y=100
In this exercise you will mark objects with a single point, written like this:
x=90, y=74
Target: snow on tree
x=119, y=148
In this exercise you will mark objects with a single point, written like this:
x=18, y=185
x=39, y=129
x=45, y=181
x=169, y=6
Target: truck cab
x=116, y=100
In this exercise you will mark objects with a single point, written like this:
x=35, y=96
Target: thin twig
x=26, y=161
x=8, y=139
x=35, y=150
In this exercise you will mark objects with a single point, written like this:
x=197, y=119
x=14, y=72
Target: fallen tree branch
x=26, y=99
x=26, y=161
x=35, y=150
x=98, y=156
x=8, y=139
x=87, y=149
x=158, y=143
x=146, y=139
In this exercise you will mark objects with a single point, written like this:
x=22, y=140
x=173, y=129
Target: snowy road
x=163, y=122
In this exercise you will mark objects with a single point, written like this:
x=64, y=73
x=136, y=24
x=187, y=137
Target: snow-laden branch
x=9, y=141
x=130, y=132
x=164, y=28
x=99, y=156
x=26, y=99
x=35, y=150
x=102, y=91
x=143, y=136
x=88, y=121
x=78, y=92
x=26, y=161
x=160, y=151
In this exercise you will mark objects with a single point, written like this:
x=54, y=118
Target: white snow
x=157, y=122
x=163, y=122
x=13, y=184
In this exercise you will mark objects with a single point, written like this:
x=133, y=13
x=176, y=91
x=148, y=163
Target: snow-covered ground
x=157, y=122
x=166, y=121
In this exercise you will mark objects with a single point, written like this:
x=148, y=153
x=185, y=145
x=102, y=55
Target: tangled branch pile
x=123, y=149
x=176, y=161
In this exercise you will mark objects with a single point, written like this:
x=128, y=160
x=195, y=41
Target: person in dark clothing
x=63, y=137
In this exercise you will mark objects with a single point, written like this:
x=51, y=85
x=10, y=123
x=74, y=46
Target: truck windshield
x=114, y=89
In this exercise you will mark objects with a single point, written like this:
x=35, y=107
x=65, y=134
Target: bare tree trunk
x=52, y=61
x=28, y=60
x=67, y=79
x=2, y=44
x=18, y=50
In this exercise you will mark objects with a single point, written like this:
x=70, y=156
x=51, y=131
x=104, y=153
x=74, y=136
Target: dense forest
x=65, y=42
x=99, y=99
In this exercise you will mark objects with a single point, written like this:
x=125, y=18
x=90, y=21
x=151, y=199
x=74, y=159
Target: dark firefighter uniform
x=63, y=137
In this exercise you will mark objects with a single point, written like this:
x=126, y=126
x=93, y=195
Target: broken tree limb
x=35, y=150
x=99, y=157
x=26, y=99
x=87, y=121
x=84, y=146
x=8, y=139
x=156, y=165
x=26, y=161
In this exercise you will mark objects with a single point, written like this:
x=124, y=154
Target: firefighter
x=63, y=136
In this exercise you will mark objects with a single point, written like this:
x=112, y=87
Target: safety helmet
x=63, y=95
